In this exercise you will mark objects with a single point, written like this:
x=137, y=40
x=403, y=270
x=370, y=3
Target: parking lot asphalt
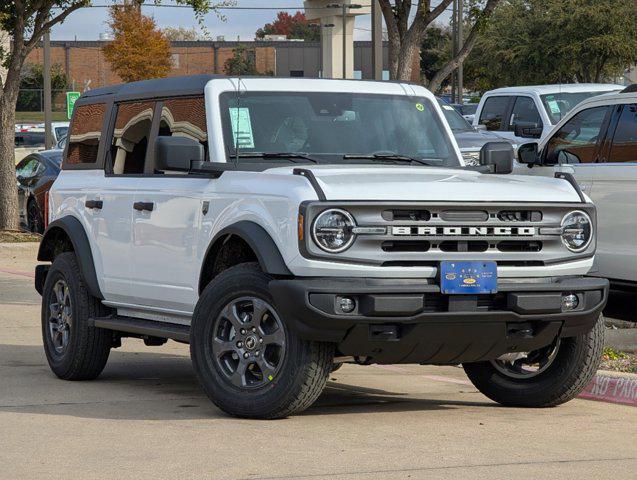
x=146, y=417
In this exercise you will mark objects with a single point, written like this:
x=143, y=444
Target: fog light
x=346, y=304
x=569, y=302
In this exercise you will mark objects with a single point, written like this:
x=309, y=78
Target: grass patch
x=619, y=361
x=12, y=236
x=38, y=117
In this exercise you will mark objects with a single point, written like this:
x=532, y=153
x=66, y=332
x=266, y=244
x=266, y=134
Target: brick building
x=86, y=67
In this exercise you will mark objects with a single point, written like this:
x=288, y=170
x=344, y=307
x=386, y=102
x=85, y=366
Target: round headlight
x=577, y=231
x=332, y=230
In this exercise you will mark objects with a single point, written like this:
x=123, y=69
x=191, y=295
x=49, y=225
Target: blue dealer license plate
x=468, y=278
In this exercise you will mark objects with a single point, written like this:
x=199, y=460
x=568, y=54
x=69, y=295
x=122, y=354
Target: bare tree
x=406, y=32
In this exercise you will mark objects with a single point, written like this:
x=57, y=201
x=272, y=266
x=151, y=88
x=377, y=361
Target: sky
x=88, y=23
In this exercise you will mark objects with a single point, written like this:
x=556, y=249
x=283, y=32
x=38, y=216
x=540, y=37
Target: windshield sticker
x=554, y=106
x=420, y=107
x=447, y=107
x=241, y=127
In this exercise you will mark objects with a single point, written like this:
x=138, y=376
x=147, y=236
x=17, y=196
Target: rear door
x=615, y=195
x=165, y=260
x=494, y=113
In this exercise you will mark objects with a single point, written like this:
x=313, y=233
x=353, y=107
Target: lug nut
x=239, y=344
x=256, y=353
x=254, y=329
x=260, y=340
x=243, y=331
x=246, y=355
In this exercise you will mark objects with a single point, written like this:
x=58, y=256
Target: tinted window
x=524, y=112
x=624, y=147
x=576, y=141
x=493, y=112
x=61, y=132
x=85, y=136
x=454, y=119
x=557, y=105
x=130, y=137
x=185, y=117
x=327, y=126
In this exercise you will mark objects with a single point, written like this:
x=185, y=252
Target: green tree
x=241, y=63
x=436, y=51
x=26, y=21
x=554, y=41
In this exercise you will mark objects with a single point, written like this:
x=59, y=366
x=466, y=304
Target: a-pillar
x=329, y=15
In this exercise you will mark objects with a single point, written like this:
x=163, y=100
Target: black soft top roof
x=159, y=87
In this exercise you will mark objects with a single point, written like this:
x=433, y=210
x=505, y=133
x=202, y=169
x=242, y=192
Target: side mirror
x=498, y=156
x=528, y=154
x=527, y=130
x=481, y=127
x=177, y=153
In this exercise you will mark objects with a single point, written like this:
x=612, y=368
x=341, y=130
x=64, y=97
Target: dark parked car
x=35, y=174
x=470, y=139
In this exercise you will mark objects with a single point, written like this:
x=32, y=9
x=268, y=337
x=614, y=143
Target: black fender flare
x=259, y=240
x=74, y=230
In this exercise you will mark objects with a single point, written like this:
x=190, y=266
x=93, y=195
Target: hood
x=475, y=139
x=404, y=183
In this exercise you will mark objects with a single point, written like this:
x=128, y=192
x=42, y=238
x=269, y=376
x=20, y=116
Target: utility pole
x=344, y=40
x=48, y=131
x=377, y=41
x=459, y=28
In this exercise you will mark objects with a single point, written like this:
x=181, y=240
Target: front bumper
x=410, y=321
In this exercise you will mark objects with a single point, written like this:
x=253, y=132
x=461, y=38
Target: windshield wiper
x=291, y=156
x=389, y=157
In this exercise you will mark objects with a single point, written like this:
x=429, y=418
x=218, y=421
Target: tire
x=296, y=370
x=84, y=354
x=35, y=220
x=572, y=368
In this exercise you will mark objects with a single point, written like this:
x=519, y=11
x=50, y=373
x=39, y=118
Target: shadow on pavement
x=158, y=386
x=622, y=306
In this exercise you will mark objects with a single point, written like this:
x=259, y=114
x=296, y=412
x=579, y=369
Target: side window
x=525, y=112
x=185, y=117
x=577, y=140
x=130, y=137
x=86, y=131
x=27, y=168
x=624, y=147
x=493, y=112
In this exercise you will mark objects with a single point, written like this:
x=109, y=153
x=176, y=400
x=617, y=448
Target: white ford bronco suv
x=282, y=227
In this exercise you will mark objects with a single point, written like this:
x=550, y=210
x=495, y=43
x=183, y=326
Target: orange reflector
x=301, y=227
x=46, y=209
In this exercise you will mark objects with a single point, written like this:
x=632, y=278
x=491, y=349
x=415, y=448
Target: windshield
x=331, y=127
x=557, y=105
x=454, y=119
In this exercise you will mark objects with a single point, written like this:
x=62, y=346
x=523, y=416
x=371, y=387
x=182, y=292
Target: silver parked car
x=597, y=143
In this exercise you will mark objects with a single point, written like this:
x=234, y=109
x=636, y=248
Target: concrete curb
x=623, y=339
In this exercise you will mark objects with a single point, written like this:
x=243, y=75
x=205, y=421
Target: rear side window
x=524, y=112
x=130, y=137
x=493, y=112
x=624, y=147
x=185, y=117
x=85, y=135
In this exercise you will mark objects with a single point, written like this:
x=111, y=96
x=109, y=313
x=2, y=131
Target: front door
x=166, y=223
x=614, y=193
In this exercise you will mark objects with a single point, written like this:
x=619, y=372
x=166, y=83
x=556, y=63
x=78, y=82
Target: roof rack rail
x=630, y=89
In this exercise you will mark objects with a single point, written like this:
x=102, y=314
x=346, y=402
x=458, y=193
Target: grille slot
x=411, y=215
x=464, y=216
x=406, y=246
x=520, y=216
x=463, y=246
x=519, y=246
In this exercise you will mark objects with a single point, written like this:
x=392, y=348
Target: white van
x=520, y=113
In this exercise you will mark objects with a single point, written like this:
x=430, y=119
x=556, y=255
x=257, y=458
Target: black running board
x=139, y=326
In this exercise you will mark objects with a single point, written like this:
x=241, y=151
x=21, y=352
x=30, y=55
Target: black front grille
x=519, y=246
x=411, y=215
x=520, y=216
x=406, y=246
x=463, y=246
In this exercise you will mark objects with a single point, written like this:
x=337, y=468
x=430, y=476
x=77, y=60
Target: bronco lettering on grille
x=464, y=231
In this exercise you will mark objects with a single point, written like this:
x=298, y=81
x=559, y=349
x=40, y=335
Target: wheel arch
x=63, y=235
x=256, y=239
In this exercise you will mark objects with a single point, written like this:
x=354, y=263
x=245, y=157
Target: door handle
x=144, y=206
x=94, y=204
